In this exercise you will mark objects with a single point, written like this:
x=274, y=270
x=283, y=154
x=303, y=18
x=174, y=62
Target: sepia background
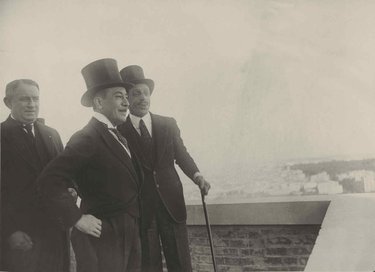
x=272, y=97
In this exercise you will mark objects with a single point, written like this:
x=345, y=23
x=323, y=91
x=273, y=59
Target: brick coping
x=292, y=210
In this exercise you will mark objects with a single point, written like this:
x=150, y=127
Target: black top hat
x=99, y=75
x=133, y=74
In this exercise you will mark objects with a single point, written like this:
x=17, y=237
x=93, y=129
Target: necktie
x=29, y=131
x=120, y=137
x=146, y=142
x=144, y=131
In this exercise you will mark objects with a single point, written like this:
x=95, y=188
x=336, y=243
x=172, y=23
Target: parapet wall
x=268, y=235
x=253, y=248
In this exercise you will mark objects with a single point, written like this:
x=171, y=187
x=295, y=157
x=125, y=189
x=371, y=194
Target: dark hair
x=11, y=86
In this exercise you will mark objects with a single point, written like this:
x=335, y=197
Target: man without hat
x=157, y=142
x=105, y=236
x=30, y=240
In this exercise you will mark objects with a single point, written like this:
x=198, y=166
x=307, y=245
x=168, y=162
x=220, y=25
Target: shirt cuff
x=197, y=174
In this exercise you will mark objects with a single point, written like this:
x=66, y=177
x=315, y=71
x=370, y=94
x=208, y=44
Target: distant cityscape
x=294, y=179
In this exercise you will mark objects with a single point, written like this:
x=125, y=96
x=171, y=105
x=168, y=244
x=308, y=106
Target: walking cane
x=209, y=231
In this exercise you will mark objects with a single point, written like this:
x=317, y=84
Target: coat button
x=154, y=173
x=157, y=186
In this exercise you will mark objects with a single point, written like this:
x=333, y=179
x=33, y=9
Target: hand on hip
x=89, y=224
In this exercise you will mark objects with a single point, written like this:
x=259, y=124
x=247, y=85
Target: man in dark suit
x=30, y=241
x=106, y=232
x=157, y=142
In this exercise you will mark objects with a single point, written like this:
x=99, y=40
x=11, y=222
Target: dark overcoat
x=20, y=209
x=108, y=182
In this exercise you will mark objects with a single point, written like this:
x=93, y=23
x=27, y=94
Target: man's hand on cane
x=203, y=184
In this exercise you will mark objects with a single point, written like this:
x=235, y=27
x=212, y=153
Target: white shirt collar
x=136, y=119
x=147, y=119
x=102, y=118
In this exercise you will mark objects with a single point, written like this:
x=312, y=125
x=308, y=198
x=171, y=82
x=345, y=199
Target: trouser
x=117, y=250
x=174, y=241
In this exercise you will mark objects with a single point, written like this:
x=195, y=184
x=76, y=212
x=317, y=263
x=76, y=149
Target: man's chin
x=140, y=113
x=120, y=121
x=28, y=120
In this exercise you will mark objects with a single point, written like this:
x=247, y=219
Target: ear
x=97, y=102
x=8, y=102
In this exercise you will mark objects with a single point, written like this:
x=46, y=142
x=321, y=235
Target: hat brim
x=86, y=99
x=149, y=82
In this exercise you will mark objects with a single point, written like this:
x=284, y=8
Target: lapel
x=132, y=136
x=13, y=133
x=159, y=133
x=47, y=139
x=113, y=145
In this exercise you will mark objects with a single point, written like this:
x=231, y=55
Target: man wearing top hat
x=27, y=145
x=157, y=142
x=105, y=236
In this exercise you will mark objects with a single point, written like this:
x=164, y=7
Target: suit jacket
x=19, y=173
x=107, y=180
x=169, y=149
x=20, y=210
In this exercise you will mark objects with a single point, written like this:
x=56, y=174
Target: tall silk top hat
x=133, y=74
x=99, y=75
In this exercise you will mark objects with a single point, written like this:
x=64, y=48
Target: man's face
x=24, y=103
x=115, y=105
x=139, y=99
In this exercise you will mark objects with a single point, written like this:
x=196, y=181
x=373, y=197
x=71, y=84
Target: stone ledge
x=277, y=213
x=282, y=210
x=299, y=210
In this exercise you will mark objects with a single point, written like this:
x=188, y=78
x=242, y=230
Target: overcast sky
x=246, y=80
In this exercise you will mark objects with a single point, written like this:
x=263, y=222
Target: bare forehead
x=26, y=90
x=140, y=87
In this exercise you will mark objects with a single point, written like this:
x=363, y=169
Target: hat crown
x=101, y=73
x=132, y=73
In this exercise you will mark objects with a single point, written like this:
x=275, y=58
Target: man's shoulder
x=6, y=128
x=48, y=131
x=41, y=125
x=162, y=118
x=6, y=123
x=85, y=134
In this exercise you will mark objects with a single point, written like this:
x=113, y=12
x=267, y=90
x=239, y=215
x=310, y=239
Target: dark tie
x=144, y=131
x=146, y=142
x=29, y=131
x=120, y=137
